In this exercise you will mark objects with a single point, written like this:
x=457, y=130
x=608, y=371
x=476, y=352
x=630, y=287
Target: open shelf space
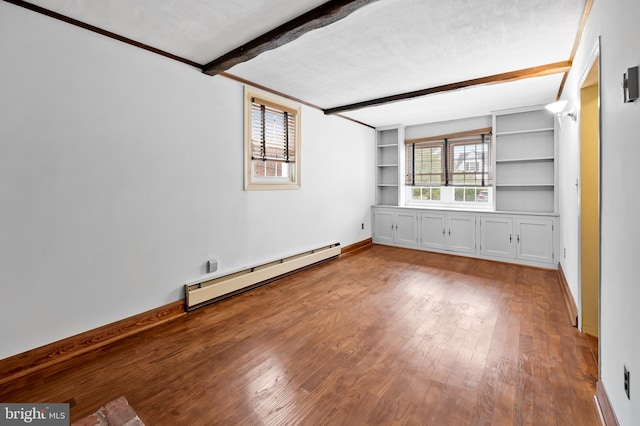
x=525, y=160
x=524, y=146
x=389, y=142
x=525, y=198
x=524, y=132
x=527, y=173
x=524, y=122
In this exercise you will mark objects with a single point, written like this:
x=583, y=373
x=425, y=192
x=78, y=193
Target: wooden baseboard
x=603, y=405
x=353, y=248
x=54, y=353
x=569, y=302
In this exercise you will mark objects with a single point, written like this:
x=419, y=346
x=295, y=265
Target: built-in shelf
x=525, y=185
x=389, y=144
x=524, y=132
x=525, y=153
x=525, y=160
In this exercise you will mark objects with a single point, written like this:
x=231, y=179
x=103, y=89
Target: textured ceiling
x=199, y=30
x=385, y=48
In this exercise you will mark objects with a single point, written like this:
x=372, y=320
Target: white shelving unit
x=526, y=166
x=389, y=148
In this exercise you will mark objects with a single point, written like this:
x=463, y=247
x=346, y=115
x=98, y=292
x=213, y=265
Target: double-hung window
x=450, y=169
x=272, y=142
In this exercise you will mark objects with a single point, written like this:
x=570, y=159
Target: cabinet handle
x=510, y=239
x=518, y=239
x=443, y=232
x=449, y=231
x=396, y=226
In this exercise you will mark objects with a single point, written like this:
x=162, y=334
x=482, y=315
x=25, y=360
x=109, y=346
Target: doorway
x=590, y=201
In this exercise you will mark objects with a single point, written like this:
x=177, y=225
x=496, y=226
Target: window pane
x=470, y=194
x=272, y=133
x=424, y=164
x=468, y=163
x=469, y=160
x=435, y=193
x=483, y=195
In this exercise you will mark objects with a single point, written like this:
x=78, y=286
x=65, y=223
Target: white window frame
x=261, y=183
x=447, y=191
x=447, y=199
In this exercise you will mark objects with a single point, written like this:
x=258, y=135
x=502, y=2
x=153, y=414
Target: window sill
x=452, y=206
x=270, y=186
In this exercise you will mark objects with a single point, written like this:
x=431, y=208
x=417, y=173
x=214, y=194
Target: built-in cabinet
x=525, y=160
x=389, y=144
x=534, y=240
x=519, y=238
x=524, y=157
x=522, y=238
x=454, y=232
x=396, y=227
x=522, y=226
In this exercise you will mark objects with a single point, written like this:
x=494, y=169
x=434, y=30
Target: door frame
x=594, y=56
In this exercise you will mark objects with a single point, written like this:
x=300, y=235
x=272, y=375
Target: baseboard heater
x=206, y=291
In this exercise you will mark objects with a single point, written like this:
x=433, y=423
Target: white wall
x=121, y=174
x=446, y=127
x=616, y=22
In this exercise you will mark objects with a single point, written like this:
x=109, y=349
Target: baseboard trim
x=54, y=353
x=353, y=248
x=569, y=302
x=603, y=405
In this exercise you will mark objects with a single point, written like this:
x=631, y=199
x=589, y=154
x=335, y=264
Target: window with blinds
x=425, y=164
x=450, y=168
x=273, y=145
x=469, y=160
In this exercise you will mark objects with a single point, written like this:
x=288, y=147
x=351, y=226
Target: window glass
x=272, y=141
x=450, y=170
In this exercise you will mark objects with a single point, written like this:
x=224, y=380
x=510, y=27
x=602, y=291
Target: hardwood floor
x=384, y=336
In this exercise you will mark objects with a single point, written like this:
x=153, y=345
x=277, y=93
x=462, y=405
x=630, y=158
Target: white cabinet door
x=384, y=227
x=535, y=240
x=432, y=230
x=461, y=233
x=406, y=228
x=496, y=237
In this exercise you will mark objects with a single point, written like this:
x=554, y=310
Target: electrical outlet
x=212, y=265
x=627, y=383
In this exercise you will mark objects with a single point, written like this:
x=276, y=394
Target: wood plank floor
x=384, y=336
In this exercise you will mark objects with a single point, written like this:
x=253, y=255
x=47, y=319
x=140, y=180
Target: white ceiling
x=385, y=48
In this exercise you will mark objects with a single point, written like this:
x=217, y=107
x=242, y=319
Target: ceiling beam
x=319, y=17
x=539, y=71
x=583, y=23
